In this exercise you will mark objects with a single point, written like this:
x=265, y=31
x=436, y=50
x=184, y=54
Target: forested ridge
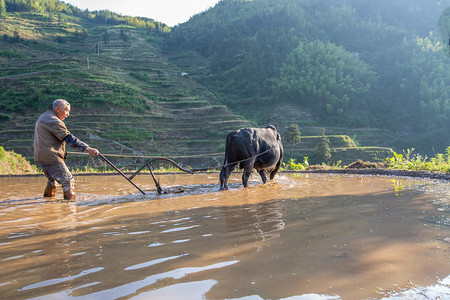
x=347, y=63
x=101, y=17
x=350, y=62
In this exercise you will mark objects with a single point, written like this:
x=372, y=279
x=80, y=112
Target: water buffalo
x=258, y=148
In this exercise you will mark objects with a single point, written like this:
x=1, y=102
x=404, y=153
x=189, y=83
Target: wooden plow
x=148, y=164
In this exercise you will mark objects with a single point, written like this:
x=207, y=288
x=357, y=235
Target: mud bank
x=383, y=172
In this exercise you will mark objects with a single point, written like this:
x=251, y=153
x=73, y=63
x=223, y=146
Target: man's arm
x=75, y=142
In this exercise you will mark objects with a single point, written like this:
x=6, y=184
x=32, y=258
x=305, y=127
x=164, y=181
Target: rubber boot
x=69, y=194
x=50, y=190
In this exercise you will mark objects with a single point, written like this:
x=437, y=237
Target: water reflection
x=341, y=236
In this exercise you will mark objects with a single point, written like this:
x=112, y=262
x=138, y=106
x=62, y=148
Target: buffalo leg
x=262, y=173
x=248, y=169
x=225, y=173
x=275, y=171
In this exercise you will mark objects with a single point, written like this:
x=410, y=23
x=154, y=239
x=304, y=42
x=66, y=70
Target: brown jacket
x=49, y=144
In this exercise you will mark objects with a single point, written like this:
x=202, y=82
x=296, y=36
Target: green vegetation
x=126, y=98
x=13, y=163
x=2, y=9
x=444, y=27
x=409, y=161
x=293, y=165
x=100, y=17
x=352, y=63
x=322, y=153
x=373, y=71
x=292, y=136
x=325, y=77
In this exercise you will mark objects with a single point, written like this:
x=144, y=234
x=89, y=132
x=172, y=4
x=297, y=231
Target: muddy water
x=324, y=236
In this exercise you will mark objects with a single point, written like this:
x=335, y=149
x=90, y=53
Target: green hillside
x=349, y=63
x=130, y=100
x=374, y=77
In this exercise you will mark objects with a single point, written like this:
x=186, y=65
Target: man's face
x=62, y=113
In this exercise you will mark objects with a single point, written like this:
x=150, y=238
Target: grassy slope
x=13, y=163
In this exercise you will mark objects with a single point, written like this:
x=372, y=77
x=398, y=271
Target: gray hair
x=61, y=103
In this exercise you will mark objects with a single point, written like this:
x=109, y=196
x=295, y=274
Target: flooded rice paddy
x=301, y=236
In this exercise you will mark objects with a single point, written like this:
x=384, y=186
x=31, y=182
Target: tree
x=123, y=35
x=322, y=153
x=106, y=37
x=2, y=9
x=444, y=27
x=292, y=136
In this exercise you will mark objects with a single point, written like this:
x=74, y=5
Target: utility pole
x=87, y=58
x=98, y=48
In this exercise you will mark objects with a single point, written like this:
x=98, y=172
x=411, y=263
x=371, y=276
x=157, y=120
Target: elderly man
x=50, y=138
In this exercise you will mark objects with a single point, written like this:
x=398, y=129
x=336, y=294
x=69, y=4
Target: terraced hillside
x=126, y=97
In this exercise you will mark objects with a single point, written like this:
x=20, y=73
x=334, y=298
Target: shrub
x=294, y=166
x=409, y=161
x=4, y=117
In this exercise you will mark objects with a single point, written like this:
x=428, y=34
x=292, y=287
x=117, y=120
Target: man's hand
x=91, y=151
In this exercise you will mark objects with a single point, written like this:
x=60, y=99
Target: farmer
x=50, y=138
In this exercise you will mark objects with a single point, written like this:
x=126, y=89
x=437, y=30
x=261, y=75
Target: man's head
x=61, y=108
